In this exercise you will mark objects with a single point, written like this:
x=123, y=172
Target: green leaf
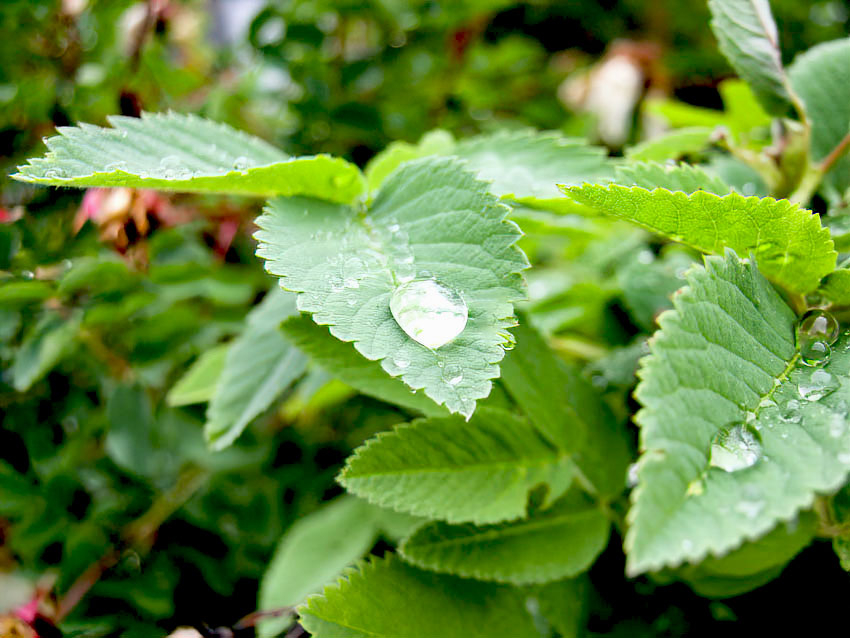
x=51, y=339
x=186, y=153
x=96, y=274
x=481, y=471
x=342, y=361
x=563, y=604
x=556, y=543
x=259, y=365
x=199, y=382
x=432, y=220
x=389, y=599
x=792, y=248
x=522, y=166
x=21, y=293
x=821, y=77
x=312, y=553
x=648, y=283
x=671, y=145
x=748, y=38
x=726, y=354
x=682, y=177
x=565, y=408
x=836, y=287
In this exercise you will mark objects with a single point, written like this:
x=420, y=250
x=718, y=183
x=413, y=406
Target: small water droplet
x=820, y=384
x=815, y=352
x=632, y=475
x=53, y=173
x=171, y=167
x=429, y=312
x=767, y=403
x=27, y=274
x=115, y=166
x=241, y=163
x=405, y=271
x=749, y=508
x=735, y=447
x=401, y=362
x=336, y=284
x=351, y=282
x=452, y=374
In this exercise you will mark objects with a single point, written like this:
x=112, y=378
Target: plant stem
x=835, y=155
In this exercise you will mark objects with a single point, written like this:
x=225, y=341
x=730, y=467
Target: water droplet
x=240, y=163
x=632, y=475
x=750, y=508
x=767, y=403
x=820, y=384
x=510, y=343
x=815, y=352
x=452, y=374
x=171, y=167
x=429, y=312
x=350, y=282
x=53, y=173
x=27, y=274
x=818, y=324
x=401, y=362
x=405, y=271
x=336, y=284
x=115, y=166
x=735, y=447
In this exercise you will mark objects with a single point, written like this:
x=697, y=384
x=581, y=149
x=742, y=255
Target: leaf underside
x=682, y=177
x=431, y=220
x=791, y=247
x=726, y=354
x=170, y=151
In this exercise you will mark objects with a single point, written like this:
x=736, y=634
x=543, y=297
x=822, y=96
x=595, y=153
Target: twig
x=834, y=155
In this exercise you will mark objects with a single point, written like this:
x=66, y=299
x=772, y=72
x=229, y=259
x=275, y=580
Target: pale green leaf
x=836, y=287
x=259, y=365
x=343, y=362
x=312, y=553
x=49, y=341
x=670, y=145
x=389, y=599
x=522, y=166
x=682, y=177
x=21, y=293
x=565, y=408
x=556, y=543
x=479, y=471
x=748, y=38
x=792, y=248
x=726, y=354
x=821, y=77
x=199, y=382
x=186, y=153
x=432, y=220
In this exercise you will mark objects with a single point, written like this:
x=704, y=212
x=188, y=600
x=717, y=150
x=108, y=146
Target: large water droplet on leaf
x=429, y=312
x=452, y=374
x=820, y=384
x=819, y=324
x=815, y=352
x=736, y=447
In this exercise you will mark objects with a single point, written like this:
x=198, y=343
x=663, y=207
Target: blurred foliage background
x=108, y=497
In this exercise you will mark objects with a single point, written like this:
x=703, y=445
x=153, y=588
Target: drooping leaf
x=682, y=177
x=836, y=287
x=199, y=382
x=555, y=543
x=386, y=598
x=671, y=145
x=566, y=409
x=312, y=554
x=821, y=77
x=432, y=222
x=186, y=153
x=522, y=166
x=748, y=38
x=448, y=469
x=49, y=341
x=725, y=358
x=259, y=365
x=342, y=361
x=792, y=248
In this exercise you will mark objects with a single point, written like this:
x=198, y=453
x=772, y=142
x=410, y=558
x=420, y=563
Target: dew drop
x=632, y=475
x=401, y=362
x=240, y=163
x=736, y=447
x=429, y=312
x=815, y=352
x=452, y=374
x=820, y=384
x=818, y=324
x=53, y=173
